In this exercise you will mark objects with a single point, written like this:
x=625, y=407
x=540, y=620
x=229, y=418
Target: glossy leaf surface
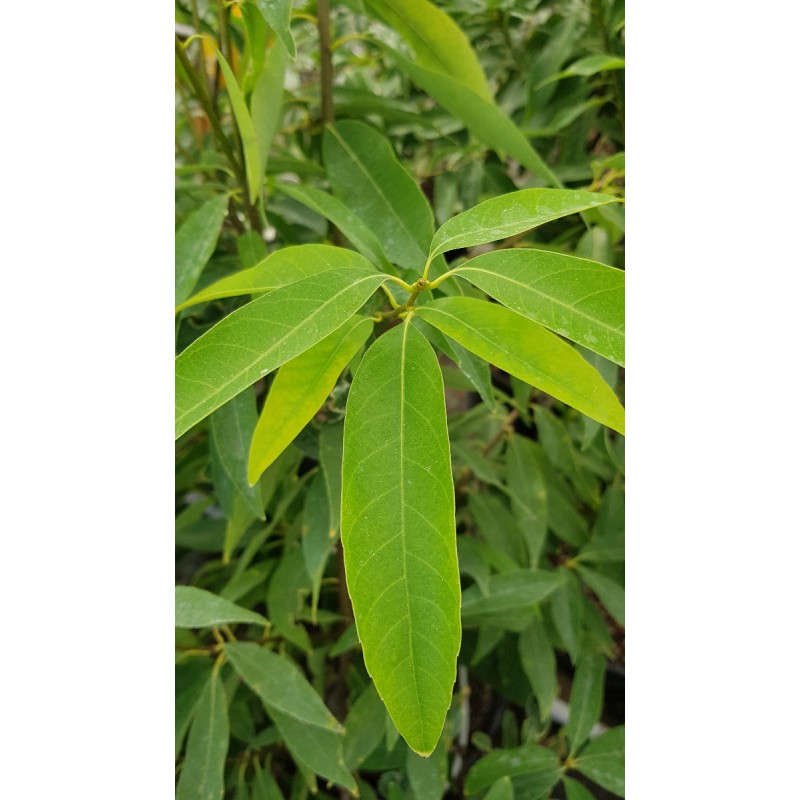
x=263, y=335
x=197, y=608
x=281, y=268
x=398, y=532
x=509, y=214
x=367, y=177
x=579, y=299
x=203, y=774
x=299, y=389
x=528, y=351
x=195, y=242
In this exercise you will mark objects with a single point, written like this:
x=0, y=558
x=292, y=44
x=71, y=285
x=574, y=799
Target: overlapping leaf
x=195, y=242
x=263, y=335
x=398, y=532
x=197, y=608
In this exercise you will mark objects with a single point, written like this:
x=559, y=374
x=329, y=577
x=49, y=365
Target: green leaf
x=190, y=682
x=566, y=606
x=577, y=298
x=575, y=790
x=481, y=116
x=538, y=660
x=331, y=445
x=603, y=760
x=301, y=386
x=254, y=169
x=195, y=242
x=367, y=177
x=510, y=214
x=281, y=686
x=590, y=65
x=428, y=776
x=278, y=13
x=533, y=770
x=232, y=427
x=398, y=532
x=501, y=790
x=203, y=774
x=285, y=597
x=529, y=351
x=586, y=699
x=197, y=608
x=263, y=785
x=281, y=268
x=364, y=727
x=528, y=494
x=266, y=102
x=317, y=539
x=611, y=594
x=438, y=43
x=263, y=335
x=341, y=216
x=509, y=592
x=250, y=248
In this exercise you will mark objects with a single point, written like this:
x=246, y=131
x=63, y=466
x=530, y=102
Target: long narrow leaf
x=195, y=242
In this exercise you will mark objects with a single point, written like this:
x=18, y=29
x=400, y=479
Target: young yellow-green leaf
x=280, y=684
x=438, y=43
x=533, y=770
x=341, y=216
x=203, y=773
x=530, y=352
x=195, y=242
x=265, y=102
x=280, y=268
x=603, y=760
x=585, y=699
x=263, y=335
x=254, y=169
x=197, y=608
x=512, y=591
x=278, y=13
x=580, y=299
x=367, y=177
x=232, y=427
x=528, y=492
x=481, y=116
x=398, y=532
x=510, y=214
x=538, y=660
x=299, y=389
x=611, y=594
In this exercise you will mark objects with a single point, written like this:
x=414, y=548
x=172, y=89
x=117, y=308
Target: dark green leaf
x=509, y=592
x=586, y=699
x=195, y=242
x=197, y=608
x=538, y=660
x=364, y=727
x=566, y=606
x=533, y=770
x=611, y=594
x=528, y=494
x=603, y=760
x=190, y=681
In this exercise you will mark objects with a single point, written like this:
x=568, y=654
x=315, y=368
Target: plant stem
x=325, y=60
x=597, y=13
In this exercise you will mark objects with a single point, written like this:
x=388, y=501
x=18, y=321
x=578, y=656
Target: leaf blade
x=195, y=242
x=197, y=608
x=404, y=582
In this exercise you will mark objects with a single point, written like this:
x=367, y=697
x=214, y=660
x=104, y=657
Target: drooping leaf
x=566, y=607
x=195, y=242
x=398, y=532
x=190, y=683
x=367, y=177
x=288, y=588
x=266, y=101
x=538, y=660
x=509, y=214
x=509, y=592
x=203, y=774
x=299, y=389
x=341, y=216
x=281, y=268
x=603, y=760
x=197, y=608
x=317, y=541
x=529, y=351
x=278, y=13
x=586, y=699
x=611, y=594
x=438, y=43
x=577, y=298
x=364, y=727
x=331, y=444
x=281, y=686
x=528, y=495
x=428, y=776
x=232, y=427
x=264, y=786
x=533, y=771
x=263, y=335
x=253, y=167
x=481, y=116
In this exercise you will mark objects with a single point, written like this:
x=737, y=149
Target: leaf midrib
x=277, y=344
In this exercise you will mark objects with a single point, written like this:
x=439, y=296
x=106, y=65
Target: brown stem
x=325, y=60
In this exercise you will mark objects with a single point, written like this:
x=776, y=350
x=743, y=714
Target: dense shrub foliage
x=399, y=382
